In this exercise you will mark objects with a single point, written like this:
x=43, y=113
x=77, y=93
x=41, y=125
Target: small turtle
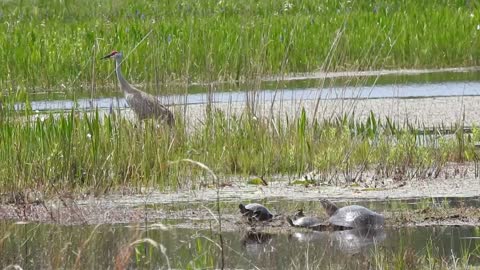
x=300, y=220
x=255, y=211
x=352, y=216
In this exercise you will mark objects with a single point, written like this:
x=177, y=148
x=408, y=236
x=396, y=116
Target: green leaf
x=257, y=181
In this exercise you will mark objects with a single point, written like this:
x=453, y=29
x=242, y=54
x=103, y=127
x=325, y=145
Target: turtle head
x=299, y=214
x=242, y=208
x=290, y=221
x=329, y=207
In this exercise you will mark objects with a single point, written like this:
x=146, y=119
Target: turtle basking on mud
x=255, y=211
x=352, y=216
x=300, y=220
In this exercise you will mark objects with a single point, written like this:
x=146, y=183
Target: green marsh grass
x=102, y=152
x=55, y=45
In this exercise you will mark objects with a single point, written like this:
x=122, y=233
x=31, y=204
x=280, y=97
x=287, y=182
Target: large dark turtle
x=352, y=216
x=255, y=211
x=300, y=220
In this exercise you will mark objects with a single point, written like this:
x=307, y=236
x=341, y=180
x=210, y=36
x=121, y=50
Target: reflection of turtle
x=300, y=220
x=258, y=245
x=255, y=211
x=312, y=236
x=353, y=241
x=352, y=216
x=253, y=237
x=347, y=241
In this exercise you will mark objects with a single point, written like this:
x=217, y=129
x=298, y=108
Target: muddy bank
x=430, y=112
x=205, y=216
x=457, y=180
x=197, y=209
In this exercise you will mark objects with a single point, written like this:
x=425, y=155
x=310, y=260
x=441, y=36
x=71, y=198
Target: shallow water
x=443, y=84
x=50, y=246
x=105, y=246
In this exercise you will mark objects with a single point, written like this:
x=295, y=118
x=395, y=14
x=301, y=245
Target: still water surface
x=35, y=246
x=388, y=86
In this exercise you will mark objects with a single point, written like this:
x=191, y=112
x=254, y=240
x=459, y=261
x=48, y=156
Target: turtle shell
x=256, y=211
x=352, y=216
x=356, y=216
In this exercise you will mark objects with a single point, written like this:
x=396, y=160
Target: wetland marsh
x=276, y=102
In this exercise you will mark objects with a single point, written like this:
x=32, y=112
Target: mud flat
x=197, y=209
x=430, y=112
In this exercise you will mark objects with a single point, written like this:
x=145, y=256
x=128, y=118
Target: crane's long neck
x=124, y=85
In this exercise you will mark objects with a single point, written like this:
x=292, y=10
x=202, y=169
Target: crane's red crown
x=110, y=55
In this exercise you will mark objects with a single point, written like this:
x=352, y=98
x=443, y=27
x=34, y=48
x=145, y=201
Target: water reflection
x=313, y=236
x=348, y=241
x=40, y=246
x=353, y=241
x=257, y=244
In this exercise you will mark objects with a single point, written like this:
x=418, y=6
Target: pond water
x=386, y=86
x=37, y=246
x=46, y=246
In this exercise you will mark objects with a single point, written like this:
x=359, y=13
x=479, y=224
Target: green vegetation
x=45, y=45
x=54, y=46
x=90, y=151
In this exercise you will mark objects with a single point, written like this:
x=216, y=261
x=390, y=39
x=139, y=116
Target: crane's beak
x=108, y=55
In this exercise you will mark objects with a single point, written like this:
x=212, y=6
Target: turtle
x=352, y=216
x=255, y=211
x=300, y=220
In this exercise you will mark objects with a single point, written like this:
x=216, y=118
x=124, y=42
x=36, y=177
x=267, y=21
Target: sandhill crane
x=143, y=104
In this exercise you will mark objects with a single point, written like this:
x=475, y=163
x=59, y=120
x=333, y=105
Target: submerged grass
x=49, y=44
x=100, y=152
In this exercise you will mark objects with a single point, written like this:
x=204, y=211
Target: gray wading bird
x=143, y=104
